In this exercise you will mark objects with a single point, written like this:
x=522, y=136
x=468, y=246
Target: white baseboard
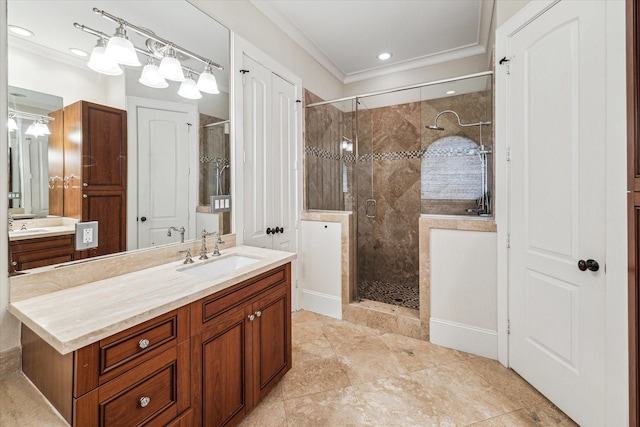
x=478, y=341
x=320, y=303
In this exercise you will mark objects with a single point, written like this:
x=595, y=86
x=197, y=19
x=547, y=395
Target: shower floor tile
x=390, y=293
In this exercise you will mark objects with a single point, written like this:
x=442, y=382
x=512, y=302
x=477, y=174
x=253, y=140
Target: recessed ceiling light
x=78, y=52
x=384, y=56
x=450, y=92
x=20, y=31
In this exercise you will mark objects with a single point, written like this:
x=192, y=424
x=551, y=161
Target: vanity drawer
x=151, y=394
x=112, y=356
x=42, y=251
x=209, y=308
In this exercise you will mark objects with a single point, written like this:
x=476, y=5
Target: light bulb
x=207, y=81
x=151, y=76
x=170, y=67
x=121, y=49
x=101, y=62
x=189, y=89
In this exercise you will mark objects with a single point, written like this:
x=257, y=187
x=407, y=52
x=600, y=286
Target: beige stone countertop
x=42, y=227
x=73, y=318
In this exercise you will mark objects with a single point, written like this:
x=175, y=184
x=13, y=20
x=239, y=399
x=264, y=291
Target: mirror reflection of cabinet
x=95, y=171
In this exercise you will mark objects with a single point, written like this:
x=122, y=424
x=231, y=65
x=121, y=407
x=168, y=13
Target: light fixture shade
x=151, y=77
x=189, y=89
x=42, y=128
x=207, y=82
x=11, y=124
x=103, y=63
x=121, y=49
x=33, y=130
x=170, y=68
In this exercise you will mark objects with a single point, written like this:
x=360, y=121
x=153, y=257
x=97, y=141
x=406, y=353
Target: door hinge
x=508, y=154
x=189, y=127
x=244, y=73
x=244, y=157
x=508, y=241
x=507, y=62
x=508, y=326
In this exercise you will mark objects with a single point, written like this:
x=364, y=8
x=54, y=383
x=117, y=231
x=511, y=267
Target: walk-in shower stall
x=392, y=156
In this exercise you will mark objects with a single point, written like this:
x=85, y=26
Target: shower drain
x=398, y=300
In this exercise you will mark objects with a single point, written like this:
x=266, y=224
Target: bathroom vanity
x=175, y=344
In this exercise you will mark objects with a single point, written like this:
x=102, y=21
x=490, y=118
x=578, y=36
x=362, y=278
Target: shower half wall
x=365, y=155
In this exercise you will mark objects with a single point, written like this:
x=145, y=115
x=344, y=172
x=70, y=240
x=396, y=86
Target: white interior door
x=269, y=158
x=556, y=134
x=163, y=175
x=283, y=160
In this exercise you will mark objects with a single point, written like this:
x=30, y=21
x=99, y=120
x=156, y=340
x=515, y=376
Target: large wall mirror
x=70, y=101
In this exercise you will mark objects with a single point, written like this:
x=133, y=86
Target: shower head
x=434, y=127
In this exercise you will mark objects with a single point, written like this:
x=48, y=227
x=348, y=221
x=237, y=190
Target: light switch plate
x=86, y=235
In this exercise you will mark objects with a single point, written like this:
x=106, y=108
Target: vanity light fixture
x=37, y=128
x=207, y=81
x=121, y=49
x=170, y=67
x=189, y=89
x=19, y=31
x=384, y=56
x=101, y=62
x=151, y=76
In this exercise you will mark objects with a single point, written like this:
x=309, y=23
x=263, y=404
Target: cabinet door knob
x=144, y=401
x=84, y=196
x=269, y=231
x=143, y=343
x=258, y=313
x=84, y=184
x=251, y=317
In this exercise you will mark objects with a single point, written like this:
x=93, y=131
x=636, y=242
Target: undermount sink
x=219, y=266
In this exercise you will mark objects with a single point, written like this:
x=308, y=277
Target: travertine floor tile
x=402, y=401
x=464, y=395
x=340, y=407
x=22, y=405
x=415, y=355
x=542, y=414
x=270, y=412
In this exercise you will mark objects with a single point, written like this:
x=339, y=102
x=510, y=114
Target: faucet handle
x=187, y=259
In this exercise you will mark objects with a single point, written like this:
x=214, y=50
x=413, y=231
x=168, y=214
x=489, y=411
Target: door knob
x=143, y=219
x=281, y=230
x=590, y=264
x=269, y=231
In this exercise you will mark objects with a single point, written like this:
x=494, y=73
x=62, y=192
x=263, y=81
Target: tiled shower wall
x=391, y=141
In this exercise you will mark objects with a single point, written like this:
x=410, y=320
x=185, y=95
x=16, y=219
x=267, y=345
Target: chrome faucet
x=179, y=230
x=203, y=248
x=188, y=259
x=216, y=251
x=10, y=221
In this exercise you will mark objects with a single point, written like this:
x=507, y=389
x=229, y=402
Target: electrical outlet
x=86, y=235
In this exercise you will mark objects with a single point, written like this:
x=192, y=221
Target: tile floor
x=350, y=375
x=390, y=293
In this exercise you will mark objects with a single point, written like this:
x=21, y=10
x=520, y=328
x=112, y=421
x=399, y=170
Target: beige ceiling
x=346, y=36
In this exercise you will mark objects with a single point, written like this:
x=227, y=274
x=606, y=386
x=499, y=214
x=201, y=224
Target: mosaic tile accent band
x=351, y=158
x=220, y=160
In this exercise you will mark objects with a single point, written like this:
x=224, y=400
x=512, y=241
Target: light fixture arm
x=154, y=37
x=29, y=116
x=105, y=36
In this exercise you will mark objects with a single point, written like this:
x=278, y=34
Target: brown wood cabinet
x=208, y=363
x=42, y=251
x=241, y=347
x=95, y=171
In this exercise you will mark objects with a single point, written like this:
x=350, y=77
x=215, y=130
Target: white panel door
x=269, y=159
x=283, y=160
x=258, y=202
x=163, y=175
x=556, y=133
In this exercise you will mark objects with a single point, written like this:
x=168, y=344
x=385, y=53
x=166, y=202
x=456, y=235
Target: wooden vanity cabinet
x=241, y=346
x=42, y=251
x=205, y=364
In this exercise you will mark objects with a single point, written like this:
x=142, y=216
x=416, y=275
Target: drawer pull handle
x=258, y=313
x=144, y=343
x=144, y=401
x=251, y=317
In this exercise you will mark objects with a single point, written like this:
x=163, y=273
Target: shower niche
x=392, y=157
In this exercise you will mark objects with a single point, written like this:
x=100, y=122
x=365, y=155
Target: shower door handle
x=370, y=208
